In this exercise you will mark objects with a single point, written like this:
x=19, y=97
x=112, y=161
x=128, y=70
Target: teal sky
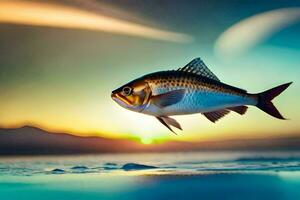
x=61, y=79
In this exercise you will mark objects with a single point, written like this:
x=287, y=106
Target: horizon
x=92, y=134
x=29, y=140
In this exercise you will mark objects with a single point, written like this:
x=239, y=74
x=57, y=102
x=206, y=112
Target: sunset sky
x=58, y=72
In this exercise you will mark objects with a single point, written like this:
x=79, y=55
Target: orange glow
x=45, y=14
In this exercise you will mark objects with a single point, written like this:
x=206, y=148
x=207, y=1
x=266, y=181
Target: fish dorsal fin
x=197, y=66
x=215, y=115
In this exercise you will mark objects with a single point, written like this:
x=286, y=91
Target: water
x=209, y=175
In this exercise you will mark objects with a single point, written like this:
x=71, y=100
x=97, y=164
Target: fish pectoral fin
x=168, y=98
x=166, y=122
x=215, y=115
x=239, y=109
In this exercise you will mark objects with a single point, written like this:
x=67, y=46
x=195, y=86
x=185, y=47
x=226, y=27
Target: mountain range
x=29, y=140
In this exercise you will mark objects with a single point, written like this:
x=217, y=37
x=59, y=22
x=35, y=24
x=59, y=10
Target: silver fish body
x=201, y=94
x=188, y=90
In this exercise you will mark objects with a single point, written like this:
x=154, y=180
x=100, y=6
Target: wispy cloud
x=53, y=15
x=249, y=32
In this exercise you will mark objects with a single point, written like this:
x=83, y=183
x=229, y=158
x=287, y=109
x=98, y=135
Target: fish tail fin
x=265, y=100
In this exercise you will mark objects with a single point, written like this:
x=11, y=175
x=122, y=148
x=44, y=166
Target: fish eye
x=127, y=91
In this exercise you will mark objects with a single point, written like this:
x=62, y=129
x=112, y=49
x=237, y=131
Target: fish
x=188, y=90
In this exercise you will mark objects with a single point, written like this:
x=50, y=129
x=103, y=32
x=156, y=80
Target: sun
x=146, y=140
x=138, y=125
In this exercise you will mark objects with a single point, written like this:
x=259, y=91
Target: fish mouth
x=126, y=104
x=118, y=100
x=113, y=96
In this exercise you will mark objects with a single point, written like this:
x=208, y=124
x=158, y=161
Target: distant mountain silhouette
x=33, y=141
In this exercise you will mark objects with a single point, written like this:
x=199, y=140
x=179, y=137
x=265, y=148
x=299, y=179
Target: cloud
x=59, y=16
x=249, y=32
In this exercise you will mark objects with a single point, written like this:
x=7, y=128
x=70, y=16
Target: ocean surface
x=205, y=175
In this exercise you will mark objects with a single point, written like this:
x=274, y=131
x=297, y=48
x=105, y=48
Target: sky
x=60, y=64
